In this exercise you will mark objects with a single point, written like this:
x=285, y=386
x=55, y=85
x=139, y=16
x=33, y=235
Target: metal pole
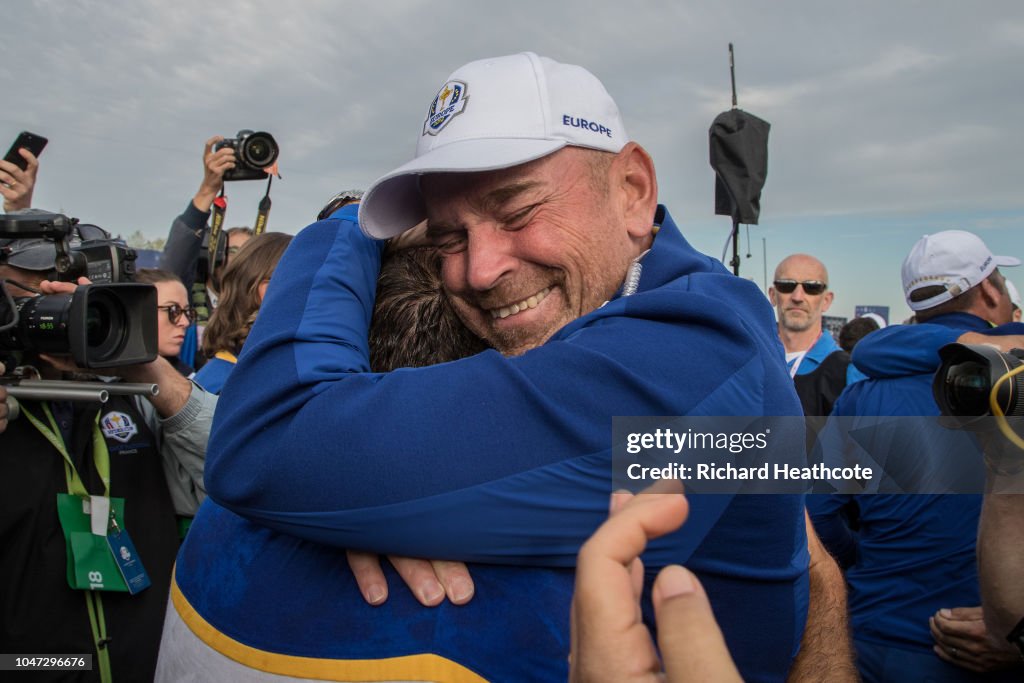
x=113, y=388
x=732, y=75
x=764, y=255
x=57, y=393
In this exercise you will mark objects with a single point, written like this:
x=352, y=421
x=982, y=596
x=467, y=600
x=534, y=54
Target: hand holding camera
x=216, y=162
x=255, y=152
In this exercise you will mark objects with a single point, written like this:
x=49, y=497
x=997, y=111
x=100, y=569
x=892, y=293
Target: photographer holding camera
x=67, y=466
x=184, y=252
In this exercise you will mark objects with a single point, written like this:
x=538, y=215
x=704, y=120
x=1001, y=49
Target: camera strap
x=264, y=209
x=219, y=208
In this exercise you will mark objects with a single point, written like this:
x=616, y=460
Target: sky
x=890, y=119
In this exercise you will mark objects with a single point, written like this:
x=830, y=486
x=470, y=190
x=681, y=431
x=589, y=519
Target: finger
x=962, y=659
x=420, y=578
x=456, y=580
x=369, y=576
x=691, y=643
x=973, y=629
x=961, y=614
x=624, y=536
x=963, y=646
x=62, y=363
x=210, y=143
x=57, y=287
x=28, y=156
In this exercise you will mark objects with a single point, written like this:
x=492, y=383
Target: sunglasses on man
x=811, y=287
x=174, y=313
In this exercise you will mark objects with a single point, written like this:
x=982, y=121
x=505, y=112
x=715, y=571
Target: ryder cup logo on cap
x=523, y=108
x=955, y=260
x=450, y=101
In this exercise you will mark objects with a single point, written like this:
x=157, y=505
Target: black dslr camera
x=109, y=323
x=963, y=385
x=253, y=153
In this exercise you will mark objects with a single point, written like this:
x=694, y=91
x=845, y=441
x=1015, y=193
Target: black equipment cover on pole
x=739, y=156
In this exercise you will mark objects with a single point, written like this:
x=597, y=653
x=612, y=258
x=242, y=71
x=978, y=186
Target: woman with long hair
x=243, y=286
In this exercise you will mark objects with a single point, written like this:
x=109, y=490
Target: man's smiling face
x=530, y=248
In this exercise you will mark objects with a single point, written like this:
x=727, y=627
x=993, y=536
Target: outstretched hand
x=609, y=639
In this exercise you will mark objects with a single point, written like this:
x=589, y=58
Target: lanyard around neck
x=100, y=454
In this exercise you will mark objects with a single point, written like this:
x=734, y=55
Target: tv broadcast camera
x=109, y=323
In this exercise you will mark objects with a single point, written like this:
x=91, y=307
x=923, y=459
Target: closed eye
x=449, y=242
x=519, y=219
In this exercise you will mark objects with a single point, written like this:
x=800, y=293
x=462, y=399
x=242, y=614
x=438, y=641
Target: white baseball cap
x=493, y=114
x=954, y=259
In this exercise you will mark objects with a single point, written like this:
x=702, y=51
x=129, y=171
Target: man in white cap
x=556, y=253
x=910, y=558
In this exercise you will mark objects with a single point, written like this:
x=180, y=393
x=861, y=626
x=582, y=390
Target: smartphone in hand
x=30, y=141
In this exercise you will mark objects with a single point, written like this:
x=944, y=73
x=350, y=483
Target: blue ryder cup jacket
x=501, y=462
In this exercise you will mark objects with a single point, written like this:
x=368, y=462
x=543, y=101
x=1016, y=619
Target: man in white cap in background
x=910, y=558
x=558, y=255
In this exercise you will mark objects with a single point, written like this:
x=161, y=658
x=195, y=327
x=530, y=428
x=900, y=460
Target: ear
x=827, y=300
x=990, y=293
x=772, y=296
x=633, y=174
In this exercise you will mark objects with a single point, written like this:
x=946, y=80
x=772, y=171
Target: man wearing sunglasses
x=819, y=367
x=800, y=295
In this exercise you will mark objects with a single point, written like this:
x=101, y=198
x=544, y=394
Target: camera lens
x=95, y=323
x=968, y=388
x=259, y=150
x=963, y=385
x=105, y=327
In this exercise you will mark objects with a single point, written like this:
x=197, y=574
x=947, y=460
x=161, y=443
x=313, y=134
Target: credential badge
x=118, y=426
x=449, y=103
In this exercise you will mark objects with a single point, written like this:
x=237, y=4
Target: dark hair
x=151, y=276
x=239, y=299
x=414, y=323
x=855, y=330
x=963, y=302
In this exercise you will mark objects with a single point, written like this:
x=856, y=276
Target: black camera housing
x=965, y=379
x=109, y=323
x=254, y=152
x=80, y=250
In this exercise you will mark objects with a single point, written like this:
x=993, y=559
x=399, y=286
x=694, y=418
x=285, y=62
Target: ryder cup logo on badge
x=118, y=426
x=449, y=103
